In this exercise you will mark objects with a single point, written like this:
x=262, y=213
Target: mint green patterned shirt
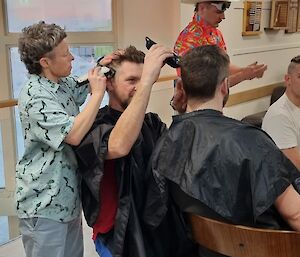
x=47, y=182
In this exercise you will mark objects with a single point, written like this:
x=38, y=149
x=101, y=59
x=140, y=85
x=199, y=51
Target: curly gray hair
x=36, y=41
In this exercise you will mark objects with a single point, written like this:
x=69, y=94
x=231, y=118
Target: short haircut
x=294, y=62
x=130, y=54
x=202, y=69
x=36, y=41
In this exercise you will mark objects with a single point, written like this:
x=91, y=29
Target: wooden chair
x=242, y=241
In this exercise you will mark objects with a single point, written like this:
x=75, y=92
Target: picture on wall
x=279, y=14
x=292, y=16
x=252, y=18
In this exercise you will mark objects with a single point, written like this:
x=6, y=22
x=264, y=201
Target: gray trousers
x=48, y=238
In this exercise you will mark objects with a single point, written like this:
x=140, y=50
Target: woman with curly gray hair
x=47, y=183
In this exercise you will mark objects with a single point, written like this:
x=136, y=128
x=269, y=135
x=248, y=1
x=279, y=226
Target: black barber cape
x=143, y=227
x=231, y=167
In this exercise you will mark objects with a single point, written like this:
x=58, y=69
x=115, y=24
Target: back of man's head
x=129, y=54
x=202, y=70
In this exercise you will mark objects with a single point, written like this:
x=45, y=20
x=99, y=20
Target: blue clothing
x=47, y=183
x=100, y=245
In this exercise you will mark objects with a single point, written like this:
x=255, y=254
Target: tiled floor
x=15, y=248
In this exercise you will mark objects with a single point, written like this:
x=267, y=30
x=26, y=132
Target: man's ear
x=224, y=87
x=179, y=100
x=179, y=87
x=202, y=6
x=287, y=79
x=109, y=85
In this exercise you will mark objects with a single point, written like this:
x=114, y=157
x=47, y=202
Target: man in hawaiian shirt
x=202, y=30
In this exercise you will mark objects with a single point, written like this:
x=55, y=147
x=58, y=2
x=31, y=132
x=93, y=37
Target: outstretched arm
x=239, y=74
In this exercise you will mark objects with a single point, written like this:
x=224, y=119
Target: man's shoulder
x=280, y=106
x=154, y=121
x=152, y=116
x=106, y=115
x=279, y=112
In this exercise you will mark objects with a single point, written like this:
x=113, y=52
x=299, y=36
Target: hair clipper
x=174, y=61
x=106, y=71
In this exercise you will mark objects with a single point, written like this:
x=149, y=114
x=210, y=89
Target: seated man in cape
x=121, y=200
x=220, y=167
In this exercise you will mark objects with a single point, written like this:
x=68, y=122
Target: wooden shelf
x=251, y=33
x=279, y=14
x=273, y=29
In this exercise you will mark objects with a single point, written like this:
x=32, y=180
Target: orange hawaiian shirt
x=198, y=33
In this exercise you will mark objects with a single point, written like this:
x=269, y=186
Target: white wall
x=156, y=18
x=163, y=20
x=160, y=20
x=274, y=48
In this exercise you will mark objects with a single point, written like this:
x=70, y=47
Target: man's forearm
x=235, y=78
x=84, y=120
x=129, y=125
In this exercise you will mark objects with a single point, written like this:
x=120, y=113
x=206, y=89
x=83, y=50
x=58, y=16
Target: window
x=4, y=233
x=77, y=16
x=91, y=28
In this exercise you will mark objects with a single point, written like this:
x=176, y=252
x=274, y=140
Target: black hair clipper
x=174, y=61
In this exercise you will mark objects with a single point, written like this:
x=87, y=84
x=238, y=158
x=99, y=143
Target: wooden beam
x=8, y=103
x=166, y=78
x=234, y=99
x=252, y=94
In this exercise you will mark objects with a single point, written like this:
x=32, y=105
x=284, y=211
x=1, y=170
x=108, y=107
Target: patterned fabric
x=47, y=183
x=198, y=33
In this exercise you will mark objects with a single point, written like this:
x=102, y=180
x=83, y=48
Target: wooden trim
x=234, y=99
x=8, y=103
x=166, y=78
x=241, y=97
x=252, y=94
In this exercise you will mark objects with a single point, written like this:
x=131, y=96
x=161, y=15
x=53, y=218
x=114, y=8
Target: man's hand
x=107, y=59
x=154, y=60
x=254, y=70
x=97, y=81
x=239, y=74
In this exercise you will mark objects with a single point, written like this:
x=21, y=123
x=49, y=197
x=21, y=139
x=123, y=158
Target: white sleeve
x=281, y=129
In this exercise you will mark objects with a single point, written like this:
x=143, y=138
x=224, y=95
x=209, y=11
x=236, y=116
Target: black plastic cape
x=145, y=225
x=233, y=168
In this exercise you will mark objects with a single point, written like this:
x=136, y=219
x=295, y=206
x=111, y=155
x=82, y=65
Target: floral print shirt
x=198, y=33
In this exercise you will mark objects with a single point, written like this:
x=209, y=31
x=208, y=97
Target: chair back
x=242, y=241
x=277, y=93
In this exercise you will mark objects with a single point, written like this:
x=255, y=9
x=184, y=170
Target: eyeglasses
x=296, y=59
x=221, y=6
